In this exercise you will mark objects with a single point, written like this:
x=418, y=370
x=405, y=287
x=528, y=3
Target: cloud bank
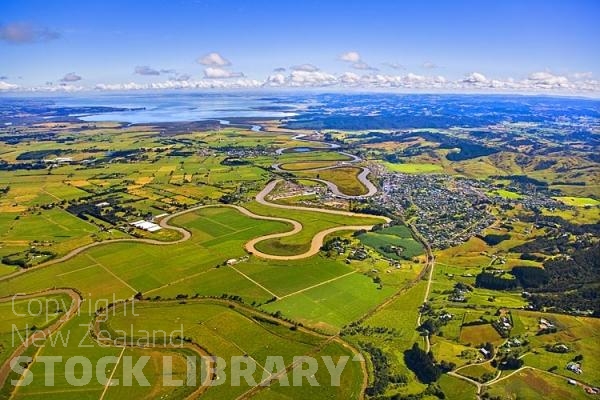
x=310, y=76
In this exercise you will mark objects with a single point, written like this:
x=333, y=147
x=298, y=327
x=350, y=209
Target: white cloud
x=71, y=77
x=300, y=78
x=49, y=87
x=304, y=67
x=240, y=83
x=8, y=86
x=315, y=78
x=356, y=61
x=475, y=78
x=214, y=60
x=351, y=56
x=349, y=78
x=220, y=73
x=547, y=80
x=410, y=77
x=121, y=86
x=145, y=70
x=537, y=82
x=429, y=65
x=583, y=75
x=275, y=80
x=309, y=76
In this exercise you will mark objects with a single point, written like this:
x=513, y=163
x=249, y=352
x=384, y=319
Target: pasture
x=507, y=194
x=125, y=268
x=228, y=330
x=399, y=316
x=300, y=166
x=22, y=317
x=479, y=334
x=395, y=242
x=345, y=178
x=332, y=305
x=578, y=201
x=579, y=334
x=456, y=389
x=533, y=385
x=414, y=168
x=312, y=223
x=478, y=372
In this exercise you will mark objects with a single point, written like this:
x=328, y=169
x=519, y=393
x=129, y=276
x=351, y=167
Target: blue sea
x=180, y=107
x=310, y=110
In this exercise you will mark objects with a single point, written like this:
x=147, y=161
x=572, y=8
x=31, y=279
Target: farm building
x=574, y=367
x=146, y=225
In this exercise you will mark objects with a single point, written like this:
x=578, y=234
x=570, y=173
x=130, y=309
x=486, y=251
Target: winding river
x=250, y=246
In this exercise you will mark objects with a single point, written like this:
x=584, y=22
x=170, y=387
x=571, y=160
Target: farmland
x=439, y=241
x=414, y=168
x=394, y=242
x=345, y=178
x=230, y=331
x=24, y=316
x=529, y=384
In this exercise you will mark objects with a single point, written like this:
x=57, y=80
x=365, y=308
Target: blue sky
x=451, y=44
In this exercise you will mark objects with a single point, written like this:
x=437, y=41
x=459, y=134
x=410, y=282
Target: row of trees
x=381, y=370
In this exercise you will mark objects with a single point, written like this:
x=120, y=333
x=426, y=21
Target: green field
x=345, y=178
x=229, y=330
x=414, y=168
x=399, y=317
x=455, y=388
x=578, y=201
x=22, y=317
x=312, y=223
x=478, y=372
x=331, y=304
x=217, y=234
x=299, y=166
x=532, y=385
x=507, y=194
x=398, y=236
